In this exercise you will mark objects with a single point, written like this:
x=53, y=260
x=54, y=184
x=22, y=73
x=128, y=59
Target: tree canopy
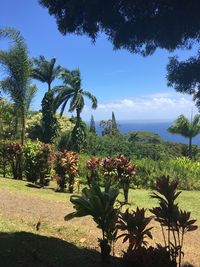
x=137, y=25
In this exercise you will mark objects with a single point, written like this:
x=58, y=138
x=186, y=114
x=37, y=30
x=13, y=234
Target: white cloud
x=155, y=106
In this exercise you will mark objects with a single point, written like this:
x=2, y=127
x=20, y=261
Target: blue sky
x=132, y=86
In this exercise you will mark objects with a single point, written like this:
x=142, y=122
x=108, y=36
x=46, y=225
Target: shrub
x=66, y=168
x=4, y=163
x=99, y=205
x=14, y=155
x=174, y=222
x=37, y=162
x=184, y=170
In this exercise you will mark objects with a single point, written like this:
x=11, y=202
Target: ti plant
x=93, y=165
x=101, y=206
x=125, y=171
x=174, y=222
x=134, y=224
x=109, y=168
x=66, y=167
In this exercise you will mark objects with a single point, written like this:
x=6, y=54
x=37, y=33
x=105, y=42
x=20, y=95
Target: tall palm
x=72, y=91
x=186, y=128
x=17, y=67
x=45, y=71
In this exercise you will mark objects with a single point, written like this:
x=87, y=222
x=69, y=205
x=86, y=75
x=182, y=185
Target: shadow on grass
x=23, y=249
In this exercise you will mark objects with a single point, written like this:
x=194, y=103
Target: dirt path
x=32, y=208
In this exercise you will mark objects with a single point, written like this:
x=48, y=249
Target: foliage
x=72, y=90
x=49, y=121
x=184, y=76
x=93, y=167
x=99, y=205
x=18, y=69
x=7, y=120
x=34, y=128
x=125, y=172
x=37, y=162
x=182, y=169
x=92, y=125
x=78, y=137
x=135, y=224
x=171, y=217
x=148, y=257
x=45, y=71
x=186, y=128
x=115, y=172
x=66, y=168
x=127, y=25
x=14, y=152
x=141, y=136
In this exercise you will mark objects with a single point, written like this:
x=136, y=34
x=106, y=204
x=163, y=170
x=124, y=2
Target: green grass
x=21, y=187
x=188, y=200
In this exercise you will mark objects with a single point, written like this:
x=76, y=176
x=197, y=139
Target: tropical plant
x=134, y=224
x=109, y=170
x=37, y=162
x=171, y=217
x=92, y=125
x=101, y=206
x=93, y=166
x=18, y=66
x=49, y=123
x=66, y=168
x=78, y=136
x=186, y=128
x=14, y=152
x=125, y=171
x=72, y=90
x=7, y=120
x=45, y=71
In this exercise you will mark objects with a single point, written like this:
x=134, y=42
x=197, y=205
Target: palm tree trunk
x=49, y=87
x=190, y=147
x=23, y=127
x=78, y=115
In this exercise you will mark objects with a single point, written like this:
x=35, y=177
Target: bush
x=37, y=162
x=66, y=168
x=186, y=171
x=14, y=153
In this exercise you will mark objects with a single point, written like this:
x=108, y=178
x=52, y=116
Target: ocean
x=159, y=128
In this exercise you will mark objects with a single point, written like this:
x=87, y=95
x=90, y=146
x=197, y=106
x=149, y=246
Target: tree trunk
x=23, y=127
x=78, y=114
x=49, y=87
x=190, y=147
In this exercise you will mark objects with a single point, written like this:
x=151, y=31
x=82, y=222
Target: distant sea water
x=159, y=128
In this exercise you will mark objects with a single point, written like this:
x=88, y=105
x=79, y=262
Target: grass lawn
x=59, y=243
x=189, y=200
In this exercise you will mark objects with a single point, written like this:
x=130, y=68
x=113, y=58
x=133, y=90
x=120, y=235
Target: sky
x=132, y=86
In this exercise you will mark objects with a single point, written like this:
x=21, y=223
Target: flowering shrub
x=66, y=168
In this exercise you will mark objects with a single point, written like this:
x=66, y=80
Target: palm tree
x=186, y=128
x=17, y=66
x=45, y=71
x=72, y=91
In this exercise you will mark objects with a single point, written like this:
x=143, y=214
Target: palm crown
x=72, y=91
x=186, y=128
x=45, y=71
